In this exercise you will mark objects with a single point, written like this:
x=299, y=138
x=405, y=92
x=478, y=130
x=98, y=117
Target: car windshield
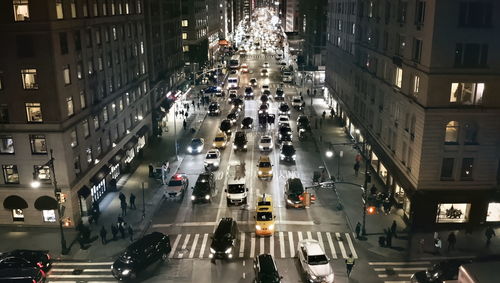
x=248, y=90
x=218, y=139
x=196, y=142
x=285, y=130
x=264, y=216
x=284, y=107
x=317, y=259
x=265, y=164
x=236, y=189
x=288, y=149
x=175, y=183
x=296, y=100
x=265, y=140
x=211, y=155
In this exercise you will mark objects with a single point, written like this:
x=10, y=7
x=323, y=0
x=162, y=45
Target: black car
x=439, y=272
x=22, y=275
x=249, y=92
x=204, y=188
x=213, y=89
x=240, y=141
x=287, y=152
x=293, y=193
x=247, y=123
x=303, y=123
x=232, y=95
x=141, y=254
x=224, y=239
x=214, y=109
x=29, y=258
x=264, y=98
x=284, y=109
x=280, y=94
x=237, y=103
x=284, y=134
x=265, y=269
x=225, y=126
x=263, y=108
x=233, y=116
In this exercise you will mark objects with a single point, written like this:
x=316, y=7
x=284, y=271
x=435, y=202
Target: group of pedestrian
x=120, y=227
x=389, y=233
x=123, y=203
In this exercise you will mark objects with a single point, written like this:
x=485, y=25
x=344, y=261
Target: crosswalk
x=72, y=272
x=281, y=245
x=398, y=271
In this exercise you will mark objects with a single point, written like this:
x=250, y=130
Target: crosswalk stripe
x=252, y=245
x=341, y=245
x=300, y=236
x=330, y=243
x=351, y=246
x=282, y=244
x=203, y=244
x=174, y=246
x=242, y=244
x=193, y=246
x=320, y=240
x=80, y=276
x=271, y=245
x=309, y=235
x=292, y=246
x=261, y=245
x=184, y=245
x=83, y=270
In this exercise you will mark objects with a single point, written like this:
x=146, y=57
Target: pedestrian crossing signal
x=371, y=210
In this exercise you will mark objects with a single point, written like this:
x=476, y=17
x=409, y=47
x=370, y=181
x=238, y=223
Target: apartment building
x=73, y=81
x=195, y=31
x=416, y=83
x=291, y=23
x=312, y=29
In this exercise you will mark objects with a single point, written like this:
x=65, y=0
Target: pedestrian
x=123, y=205
x=489, y=233
x=121, y=228
x=309, y=93
x=387, y=205
x=314, y=92
x=186, y=114
x=323, y=115
x=187, y=108
x=356, y=168
x=192, y=102
x=130, y=232
x=114, y=231
x=176, y=113
x=122, y=197
x=358, y=158
x=103, y=233
x=332, y=113
x=184, y=124
x=358, y=230
x=394, y=227
x=437, y=246
x=182, y=112
x=452, y=239
x=198, y=105
x=119, y=220
x=81, y=241
x=349, y=264
x=421, y=244
x=132, y=201
x=151, y=168
x=388, y=239
x=373, y=190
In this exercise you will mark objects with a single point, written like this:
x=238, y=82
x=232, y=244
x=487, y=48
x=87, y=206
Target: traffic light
x=371, y=210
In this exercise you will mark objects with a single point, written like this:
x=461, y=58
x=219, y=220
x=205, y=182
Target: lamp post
x=341, y=154
x=57, y=194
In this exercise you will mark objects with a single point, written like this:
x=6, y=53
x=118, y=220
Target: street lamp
x=57, y=194
x=329, y=151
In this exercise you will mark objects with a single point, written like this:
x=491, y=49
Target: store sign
x=493, y=214
x=452, y=212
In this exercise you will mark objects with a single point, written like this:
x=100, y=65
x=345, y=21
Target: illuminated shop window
x=49, y=216
x=18, y=215
x=453, y=212
x=493, y=214
x=21, y=10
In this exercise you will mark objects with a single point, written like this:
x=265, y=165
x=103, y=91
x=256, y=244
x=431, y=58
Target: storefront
x=493, y=212
x=16, y=204
x=141, y=137
x=114, y=163
x=99, y=187
x=48, y=207
x=130, y=149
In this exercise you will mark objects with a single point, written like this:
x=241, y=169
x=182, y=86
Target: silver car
x=314, y=262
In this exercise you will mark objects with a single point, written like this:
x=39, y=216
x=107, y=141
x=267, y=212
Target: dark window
x=467, y=167
x=420, y=13
x=25, y=46
x=447, y=169
x=88, y=37
x=471, y=55
x=6, y=145
x=475, y=14
x=417, y=50
x=403, y=6
x=63, y=42
x=4, y=114
x=78, y=40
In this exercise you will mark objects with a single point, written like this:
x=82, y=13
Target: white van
x=233, y=82
x=236, y=192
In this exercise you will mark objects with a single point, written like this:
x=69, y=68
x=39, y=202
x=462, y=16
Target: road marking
x=193, y=247
x=330, y=243
x=84, y=270
x=81, y=263
x=252, y=245
x=398, y=262
x=341, y=245
x=320, y=240
x=309, y=235
x=401, y=268
x=242, y=245
x=351, y=246
x=261, y=245
x=166, y=225
x=288, y=222
x=271, y=245
x=184, y=245
x=203, y=244
x=290, y=240
x=81, y=276
x=174, y=246
x=300, y=236
x=282, y=244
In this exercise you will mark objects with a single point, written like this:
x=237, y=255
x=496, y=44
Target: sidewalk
x=405, y=245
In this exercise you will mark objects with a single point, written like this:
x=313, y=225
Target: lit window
x=113, y=109
x=185, y=23
x=115, y=37
x=97, y=125
x=69, y=106
x=493, y=214
x=38, y=144
x=105, y=117
x=399, y=77
x=452, y=212
x=34, y=112
x=127, y=11
x=85, y=126
x=79, y=71
x=74, y=138
x=42, y=173
x=98, y=36
x=10, y=174
x=127, y=99
x=6, y=145
x=416, y=85
x=96, y=9
x=88, y=153
x=120, y=104
x=451, y=135
x=21, y=10
x=85, y=9
x=185, y=48
x=142, y=47
x=184, y=35
x=49, y=216
x=66, y=75
x=143, y=68
x=90, y=66
x=100, y=65
x=18, y=215
x=59, y=10
x=120, y=8
x=29, y=78
x=467, y=166
x=104, y=9
x=83, y=101
x=113, y=7
x=139, y=7
x=467, y=93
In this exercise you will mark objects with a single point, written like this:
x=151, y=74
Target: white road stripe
x=309, y=235
x=351, y=246
x=184, y=245
x=81, y=276
x=193, y=246
x=252, y=245
x=282, y=244
x=242, y=244
x=176, y=242
x=300, y=236
x=203, y=244
x=399, y=262
x=271, y=245
x=166, y=225
x=341, y=245
x=292, y=246
x=330, y=243
x=401, y=268
x=84, y=270
x=320, y=240
x=261, y=246
x=291, y=222
x=81, y=263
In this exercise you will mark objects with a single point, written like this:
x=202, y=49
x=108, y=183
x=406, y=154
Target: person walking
x=130, y=232
x=394, y=227
x=122, y=197
x=123, y=205
x=103, y=234
x=323, y=115
x=437, y=246
x=349, y=264
x=489, y=233
x=114, y=231
x=452, y=240
x=132, y=201
x=358, y=158
x=314, y=92
x=184, y=124
x=388, y=240
x=356, y=169
x=121, y=228
x=358, y=230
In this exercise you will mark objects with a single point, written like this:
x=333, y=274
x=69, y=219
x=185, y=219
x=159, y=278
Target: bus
x=234, y=62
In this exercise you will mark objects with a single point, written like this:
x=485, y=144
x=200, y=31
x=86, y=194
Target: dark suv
x=224, y=239
x=293, y=193
x=214, y=109
x=240, y=141
x=248, y=92
x=265, y=269
x=287, y=152
x=140, y=254
x=204, y=188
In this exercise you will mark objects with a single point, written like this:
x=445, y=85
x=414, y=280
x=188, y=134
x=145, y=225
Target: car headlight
x=193, y=197
x=207, y=197
x=228, y=251
x=216, y=164
x=293, y=156
x=212, y=250
x=280, y=136
x=199, y=148
x=234, y=146
x=125, y=272
x=259, y=172
x=271, y=227
x=257, y=227
x=261, y=147
x=289, y=201
x=245, y=146
x=312, y=277
x=282, y=156
x=190, y=149
x=213, y=144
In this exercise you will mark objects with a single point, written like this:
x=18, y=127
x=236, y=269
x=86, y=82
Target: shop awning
x=45, y=203
x=84, y=192
x=101, y=174
x=131, y=143
x=142, y=131
x=117, y=157
x=15, y=202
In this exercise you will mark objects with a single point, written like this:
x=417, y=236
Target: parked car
x=314, y=262
x=22, y=275
x=224, y=239
x=141, y=254
x=177, y=186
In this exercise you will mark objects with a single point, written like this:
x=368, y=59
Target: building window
x=467, y=167
x=451, y=134
x=85, y=9
x=105, y=114
x=471, y=55
x=97, y=125
x=63, y=42
x=4, y=114
x=142, y=47
x=120, y=104
x=185, y=23
x=447, y=169
x=452, y=212
x=73, y=9
x=34, y=112
x=85, y=125
x=475, y=14
x=113, y=7
x=113, y=31
x=6, y=145
x=42, y=173
x=184, y=35
x=104, y=9
x=493, y=214
x=398, y=80
x=38, y=144
x=96, y=9
x=10, y=174
x=83, y=101
x=400, y=48
x=185, y=48
x=66, y=75
x=470, y=129
x=88, y=154
x=1, y=81
x=467, y=93
x=79, y=70
x=29, y=78
x=90, y=66
x=49, y=216
x=139, y=7
x=98, y=37
x=21, y=10
x=69, y=106
x=417, y=50
x=17, y=215
x=416, y=85
x=127, y=9
x=59, y=10
x=120, y=11
x=76, y=164
x=73, y=138
x=420, y=13
x=100, y=65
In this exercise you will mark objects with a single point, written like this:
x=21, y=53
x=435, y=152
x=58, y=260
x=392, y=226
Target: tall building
x=312, y=29
x=195, y=31
x=291, y=18
x=73, y=79
x=416, y=83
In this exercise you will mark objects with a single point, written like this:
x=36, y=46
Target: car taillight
x=301, y=198
x=39, y=264
x=313, y=197
x=48, y=256
x=43, y=273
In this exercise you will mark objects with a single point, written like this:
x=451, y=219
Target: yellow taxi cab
x=265, y=168
x=220, y=140
x=264, y=219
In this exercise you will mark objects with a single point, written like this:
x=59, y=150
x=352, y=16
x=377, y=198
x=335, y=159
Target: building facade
x=73, y=79
x=312, y=29
x=195, y=32
x=416, y=82
x=291, y=23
